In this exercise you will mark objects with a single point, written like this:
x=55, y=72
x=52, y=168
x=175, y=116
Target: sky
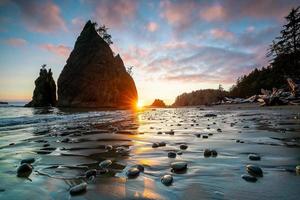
x=174, y=46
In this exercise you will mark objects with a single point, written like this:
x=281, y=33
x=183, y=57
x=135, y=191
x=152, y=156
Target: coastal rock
x=133, y=172
x=94, y=77
x=179, y=166
x=254, y=170
x=44, y=93
x=167, y=179
x=24, y=170
x=78, y=189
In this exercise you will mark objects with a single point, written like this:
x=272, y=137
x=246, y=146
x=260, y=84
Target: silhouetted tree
x=130, y=70
x=102, y=31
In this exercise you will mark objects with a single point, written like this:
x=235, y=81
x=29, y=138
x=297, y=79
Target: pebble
x=179, y=153
x=210, y=115
x=78, y=189
x=198, y=135
x=155, y=145
x=167, y=179
x=210, y=134
x=207, y=153
x=171, y=154
x=204, y=136
x=159, y=133
x=46, y=145
x=91, y=172
x=249, y=178
x=122, y=150
x=183, y=146
x=65, y=140
x=298, y=169
x=214, y=153
x=104, y=164
x=179, y=166
x=254, y=170
x=28, y=160
x=133, y=172
x=161, y=144
x=108, y=147
x=170, y=132
x=219, y=130
x=254, y=157
x=24, y=170
x=140, y=167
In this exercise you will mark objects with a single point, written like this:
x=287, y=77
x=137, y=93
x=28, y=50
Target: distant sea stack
x=94, y=77
x=44, y=93
x=158, y=103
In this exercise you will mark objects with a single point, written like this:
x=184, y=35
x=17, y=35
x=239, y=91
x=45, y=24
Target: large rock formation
x=93, y=76
x=44, y=93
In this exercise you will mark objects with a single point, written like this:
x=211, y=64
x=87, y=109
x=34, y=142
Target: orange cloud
x=213, y=13
x=60, y=50
x=16, y=42
x=178, y=14
x=152, y=26
x=221, y=34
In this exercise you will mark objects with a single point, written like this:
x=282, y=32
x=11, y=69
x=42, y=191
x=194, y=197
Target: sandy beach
x=67, y=144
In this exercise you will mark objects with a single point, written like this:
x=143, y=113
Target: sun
x=140, y=104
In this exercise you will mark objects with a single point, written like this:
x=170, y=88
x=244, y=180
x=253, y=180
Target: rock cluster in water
x=93, y=76
x=44, y=93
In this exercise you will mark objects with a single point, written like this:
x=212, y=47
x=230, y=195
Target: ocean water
x=67, y=142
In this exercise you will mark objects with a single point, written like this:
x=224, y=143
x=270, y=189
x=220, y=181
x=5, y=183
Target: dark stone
x=207, y=153
x=161, y=144
x=178, y=166
x=24, y=170
x=167, y=179
x=254, y=170
x=253, y=157
x=183, y=146
x=171, y=154
x=210, y=115
x=214, y=153
x=91, y=172
x=94, y=77
x=249, y=178
x=155, y=145
x=133, y=172
x=78, y=189
x=28, y=160
x=44, y=93
x=204, y=136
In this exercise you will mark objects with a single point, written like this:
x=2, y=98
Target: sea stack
x=44, y=93
x=94, y=77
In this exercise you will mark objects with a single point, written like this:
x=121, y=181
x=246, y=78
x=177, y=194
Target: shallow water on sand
x=273, y=133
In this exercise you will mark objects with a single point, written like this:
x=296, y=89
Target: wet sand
x=60, y=163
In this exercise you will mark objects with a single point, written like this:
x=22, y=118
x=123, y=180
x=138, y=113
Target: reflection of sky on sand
x=62, y=164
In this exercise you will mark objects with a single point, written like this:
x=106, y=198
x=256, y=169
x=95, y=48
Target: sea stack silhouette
x=44, y=93
x=94, y=77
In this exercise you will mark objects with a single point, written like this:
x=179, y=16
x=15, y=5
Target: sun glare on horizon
x=140, y=104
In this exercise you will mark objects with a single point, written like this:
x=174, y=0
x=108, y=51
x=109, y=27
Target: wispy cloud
x=40, y=16
x=115, y=13
x=59, y=50
x=16, y=42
